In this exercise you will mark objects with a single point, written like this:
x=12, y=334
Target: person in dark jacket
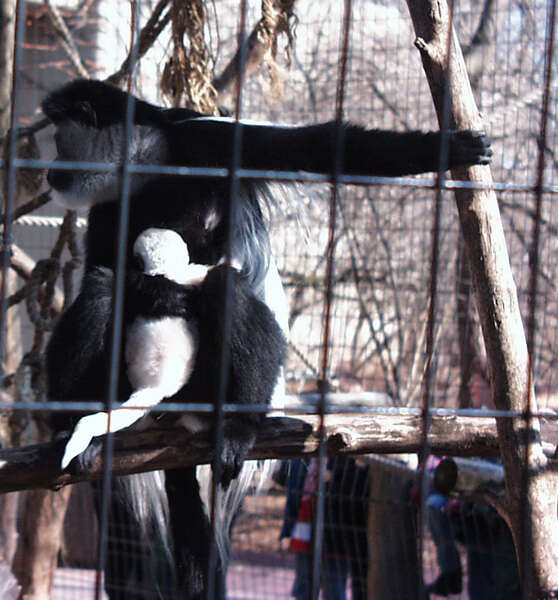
x=345, y=542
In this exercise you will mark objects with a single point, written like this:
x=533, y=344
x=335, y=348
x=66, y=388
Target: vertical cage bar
x=118, y=307
x=319, y=517
x=232, y=223
x=534, y=255
x=426, y=415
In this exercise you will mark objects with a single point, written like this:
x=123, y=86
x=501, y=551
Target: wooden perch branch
x=38, y=466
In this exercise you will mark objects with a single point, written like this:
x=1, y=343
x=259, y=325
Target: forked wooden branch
x=530, y=501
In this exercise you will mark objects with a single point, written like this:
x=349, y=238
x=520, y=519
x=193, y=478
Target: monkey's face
x=78, y=143
x=90, y=138
x=99, y=154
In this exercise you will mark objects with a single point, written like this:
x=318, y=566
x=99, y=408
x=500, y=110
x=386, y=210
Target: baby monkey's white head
x=163, y=252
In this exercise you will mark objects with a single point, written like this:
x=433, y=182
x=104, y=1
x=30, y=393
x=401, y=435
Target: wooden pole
x=533, y=504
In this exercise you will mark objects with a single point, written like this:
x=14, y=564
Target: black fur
x=90, y=117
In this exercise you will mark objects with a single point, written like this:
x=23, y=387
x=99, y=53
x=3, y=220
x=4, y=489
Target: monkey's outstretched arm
x=206, y=141
x=315, y=148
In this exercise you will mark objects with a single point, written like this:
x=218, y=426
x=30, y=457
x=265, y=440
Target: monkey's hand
x=81, y=453
x=468, y=148
x=238, y=440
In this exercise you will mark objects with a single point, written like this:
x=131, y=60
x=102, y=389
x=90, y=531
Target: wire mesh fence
x=393, y=343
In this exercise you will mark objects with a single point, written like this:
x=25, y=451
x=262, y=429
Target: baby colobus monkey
x=160, y=352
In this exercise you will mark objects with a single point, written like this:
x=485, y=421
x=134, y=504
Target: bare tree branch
x=30, y=206
x=261, y=46
x=154, y=26
x=231, y=73
x=65, y=38
x=146, y=39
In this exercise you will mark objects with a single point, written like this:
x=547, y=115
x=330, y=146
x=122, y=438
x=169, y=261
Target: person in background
x=345, y=547
x=491, y=562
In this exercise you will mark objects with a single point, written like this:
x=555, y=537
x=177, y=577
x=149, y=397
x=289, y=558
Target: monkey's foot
x=86, y=429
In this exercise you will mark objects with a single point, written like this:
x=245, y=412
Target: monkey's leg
x=99, y=423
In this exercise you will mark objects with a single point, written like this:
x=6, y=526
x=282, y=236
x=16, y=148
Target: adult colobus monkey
x=90, y=119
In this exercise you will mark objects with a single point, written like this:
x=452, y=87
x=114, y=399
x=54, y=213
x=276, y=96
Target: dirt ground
x=258, y=526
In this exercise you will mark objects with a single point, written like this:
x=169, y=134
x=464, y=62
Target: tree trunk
x=7, y=25
x=467, y=326
x=530, y=501
x=8, y=502
x=40, y=540
x=9, y=429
